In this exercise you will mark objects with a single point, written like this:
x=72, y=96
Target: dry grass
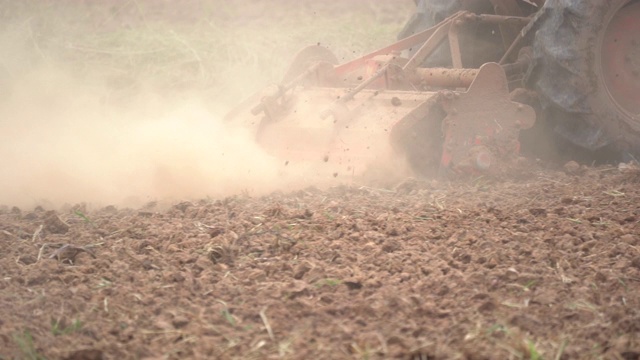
x=228, y=49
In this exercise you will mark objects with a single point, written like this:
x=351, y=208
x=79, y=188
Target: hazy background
x=120, y=102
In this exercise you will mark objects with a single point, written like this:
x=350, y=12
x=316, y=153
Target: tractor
x=468, y=86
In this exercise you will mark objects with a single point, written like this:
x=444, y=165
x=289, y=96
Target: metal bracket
x=483, y=124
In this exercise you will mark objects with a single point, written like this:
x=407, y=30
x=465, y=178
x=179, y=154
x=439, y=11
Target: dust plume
x=62, y=142
x=122, y=103
x=66, y=141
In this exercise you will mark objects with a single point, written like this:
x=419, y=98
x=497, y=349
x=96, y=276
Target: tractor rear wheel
x=588, y=70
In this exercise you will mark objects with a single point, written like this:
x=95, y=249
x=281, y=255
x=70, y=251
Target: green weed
x=57, y=329
x=24, y=341
x=228, y=317
x=563, y=345
x=497, y=328
x=529, y=285
x=216, y=48
x=84, y=217
x=533, y=353
x=365, y=352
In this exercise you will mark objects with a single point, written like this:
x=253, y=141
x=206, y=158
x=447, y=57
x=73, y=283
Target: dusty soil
x=542, y=266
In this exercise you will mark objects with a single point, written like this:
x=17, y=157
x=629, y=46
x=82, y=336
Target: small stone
x=393, y=232
x=572, y=167
x=31, y=216
x=630, y=239
x=54, y=224
x=301, y=270
x=511, y=275
x=256, y=275
x=179, y=322
x=487, y=306
x=86, y=354
x=297, y=286
x=67, y=253
x=390, y=245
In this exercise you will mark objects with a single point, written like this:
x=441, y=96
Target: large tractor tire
x=588, y=71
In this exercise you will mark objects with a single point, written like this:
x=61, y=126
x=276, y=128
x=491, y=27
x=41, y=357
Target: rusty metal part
x=429, y=77
x=438, y=36
x=521, y=36
x=454, y=44
x=621, y=59
x=319, y=69
x=482, y=124
x=495, y=19
x=352, y=93
x=444, y=77
x=508, y=30
x=451, y=28
x=509, y=20
x=303, y=61
x=394, y=78
x=522, y=65
x=306, y=58
x=398, y=46
x=329, y=113
x=462, y=78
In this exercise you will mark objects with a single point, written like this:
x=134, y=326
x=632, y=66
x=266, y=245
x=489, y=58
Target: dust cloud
x=65, y=140
x=70, y=135
x=61, y=141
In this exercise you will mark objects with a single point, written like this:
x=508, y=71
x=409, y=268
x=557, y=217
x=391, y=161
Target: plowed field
x=545, y=266
x=541, y=264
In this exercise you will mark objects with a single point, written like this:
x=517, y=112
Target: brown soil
x=543, y=266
